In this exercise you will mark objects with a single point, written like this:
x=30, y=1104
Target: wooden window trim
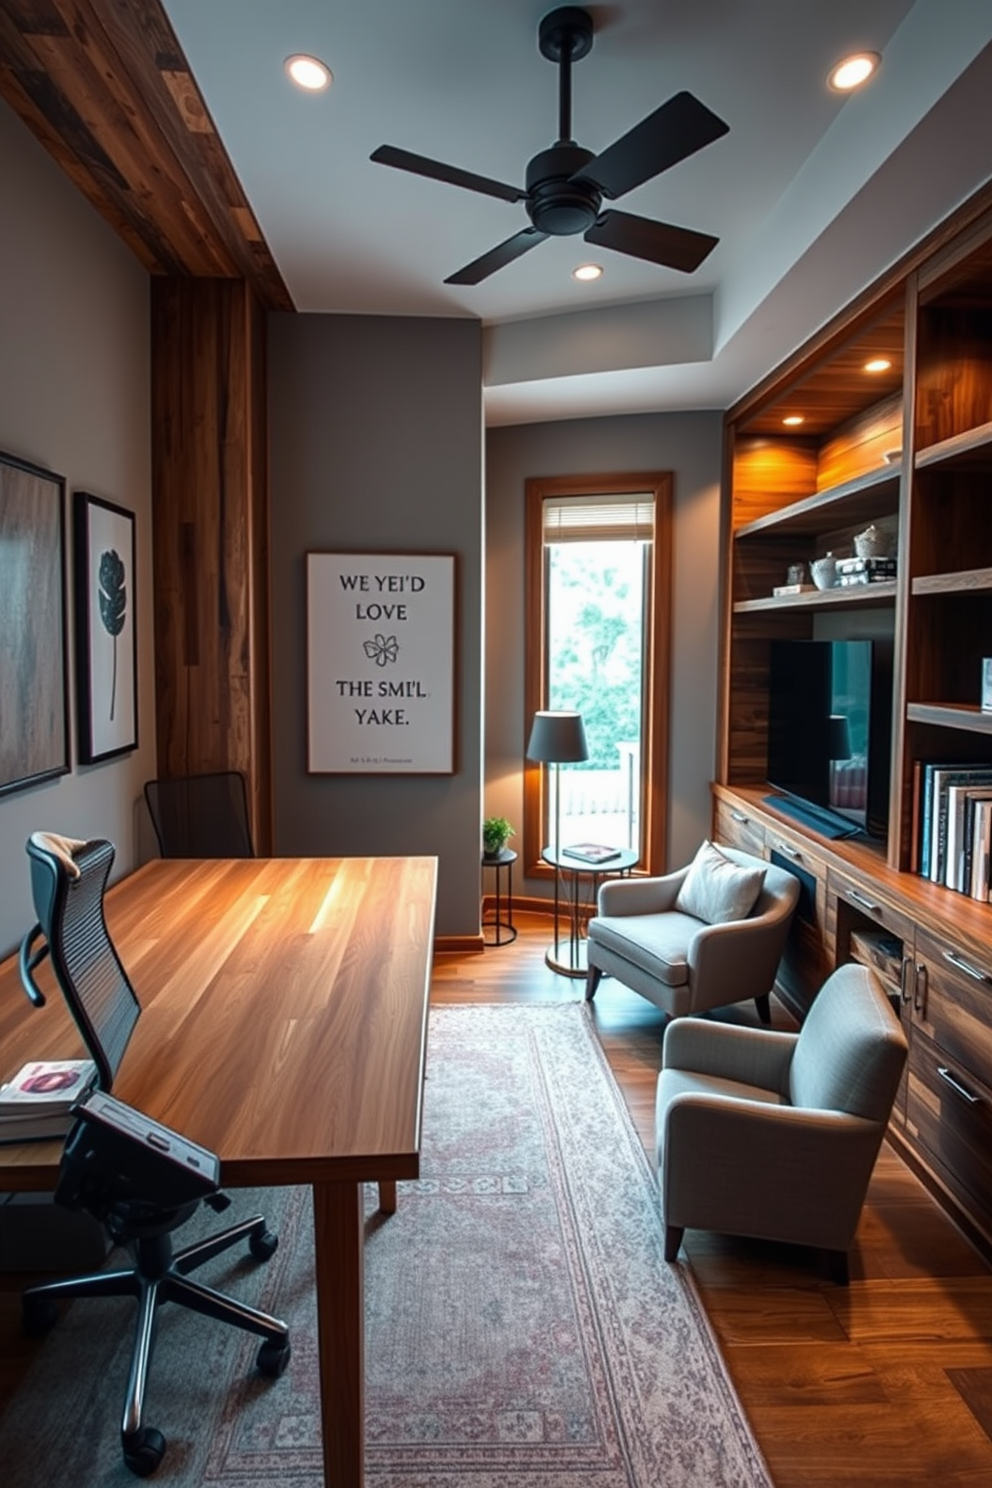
x=537, y=489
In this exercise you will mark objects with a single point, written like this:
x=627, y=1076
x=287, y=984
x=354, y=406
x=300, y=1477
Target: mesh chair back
x=201, y=816
x=86, y=965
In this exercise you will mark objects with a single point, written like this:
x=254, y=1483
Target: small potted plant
x=496, y=831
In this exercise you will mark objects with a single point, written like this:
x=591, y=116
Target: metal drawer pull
x=904, y=992
x=920, y=989
x=864, y=901
x=962, y=965
x=957, y=1087
x=790, y=852
x=738, y=816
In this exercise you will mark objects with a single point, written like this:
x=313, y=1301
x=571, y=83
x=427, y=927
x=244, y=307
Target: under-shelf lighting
x=793, y=420
x=308, y=72
x=852, y=71
x=878, y=364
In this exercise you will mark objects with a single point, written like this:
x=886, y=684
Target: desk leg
x=338, y=1215
x=387, y=1195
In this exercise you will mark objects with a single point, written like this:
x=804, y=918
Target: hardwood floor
x=886, y=1382
x=882, y=1383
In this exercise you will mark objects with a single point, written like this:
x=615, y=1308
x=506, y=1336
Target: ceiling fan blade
x=499, y=257
x=658, y=242
x=435, y=170
x=677, y=129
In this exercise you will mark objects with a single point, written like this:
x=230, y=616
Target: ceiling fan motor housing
x=558, y=204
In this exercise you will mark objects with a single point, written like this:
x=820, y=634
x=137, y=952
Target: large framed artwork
x=34, y=704
x=106, y=653
x=380, y=663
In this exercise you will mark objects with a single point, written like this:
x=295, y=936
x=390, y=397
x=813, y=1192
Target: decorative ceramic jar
x=872, y=543
x=823, y=571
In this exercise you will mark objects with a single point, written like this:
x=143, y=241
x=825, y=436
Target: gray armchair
x=774, y=1135
x=680, y=962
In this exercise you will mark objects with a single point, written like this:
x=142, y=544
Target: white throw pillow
x=716, y=890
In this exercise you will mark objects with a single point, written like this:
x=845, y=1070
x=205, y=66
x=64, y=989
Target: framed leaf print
x=107, y=659
x=34, y=703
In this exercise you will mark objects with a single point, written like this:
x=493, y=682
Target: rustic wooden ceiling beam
x=104, y=86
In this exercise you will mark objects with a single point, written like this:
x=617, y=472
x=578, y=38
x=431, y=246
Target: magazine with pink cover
x=46, y=1085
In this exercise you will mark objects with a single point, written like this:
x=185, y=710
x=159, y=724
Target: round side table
x=577, y=884
x=500, y=927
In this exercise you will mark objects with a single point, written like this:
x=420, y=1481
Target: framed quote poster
x=380, y=663
x=34, y=701
x=106, y=653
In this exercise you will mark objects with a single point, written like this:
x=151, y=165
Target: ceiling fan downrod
x=565, y=36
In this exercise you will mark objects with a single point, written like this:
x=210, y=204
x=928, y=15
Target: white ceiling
x=811, y=194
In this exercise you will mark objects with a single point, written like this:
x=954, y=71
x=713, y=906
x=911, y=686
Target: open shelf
x=874, y=494
x=951, y=715
x=971, y=581
x=972, y=448
x=860, y=595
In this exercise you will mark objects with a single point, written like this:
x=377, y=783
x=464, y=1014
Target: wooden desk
x=284, y=1027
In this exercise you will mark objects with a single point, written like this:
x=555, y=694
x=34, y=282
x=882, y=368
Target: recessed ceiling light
x=853, y=71
x=587, y=272
x=793, y=419
x=308, y=72
x=878, y=364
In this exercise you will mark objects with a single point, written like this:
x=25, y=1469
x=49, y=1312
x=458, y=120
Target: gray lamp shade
x=557, y=738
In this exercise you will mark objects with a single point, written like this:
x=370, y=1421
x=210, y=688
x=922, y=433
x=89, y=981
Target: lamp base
x=567, y=958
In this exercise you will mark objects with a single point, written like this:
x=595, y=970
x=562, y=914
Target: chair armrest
x=737, y=960
x=636, y=896
x=753, y=1056
x=787, y=1173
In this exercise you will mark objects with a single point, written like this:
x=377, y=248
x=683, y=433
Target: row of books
x=37, y=1103
x=952, y=840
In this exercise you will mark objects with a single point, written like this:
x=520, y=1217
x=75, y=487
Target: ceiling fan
x=566, y=184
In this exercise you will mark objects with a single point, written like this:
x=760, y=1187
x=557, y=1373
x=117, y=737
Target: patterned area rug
x=523, y=1327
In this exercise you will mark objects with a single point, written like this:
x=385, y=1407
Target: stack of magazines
x=38, y=1101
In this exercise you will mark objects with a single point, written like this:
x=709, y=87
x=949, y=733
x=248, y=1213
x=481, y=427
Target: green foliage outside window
x=595, y=636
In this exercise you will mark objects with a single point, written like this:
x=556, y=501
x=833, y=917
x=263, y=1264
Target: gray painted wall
x=688, y=444
x=74, y=398
x=376, y=446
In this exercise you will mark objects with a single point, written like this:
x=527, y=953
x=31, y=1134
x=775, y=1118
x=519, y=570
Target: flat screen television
x=829, y=727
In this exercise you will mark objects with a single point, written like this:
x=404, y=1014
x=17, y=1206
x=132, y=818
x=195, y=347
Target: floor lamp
x=558, y=738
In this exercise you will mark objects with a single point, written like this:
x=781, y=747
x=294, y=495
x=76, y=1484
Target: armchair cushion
x=657, y=943
x=716, y=890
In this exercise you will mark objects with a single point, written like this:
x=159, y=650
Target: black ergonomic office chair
x=201, y=816
x=126, y=1186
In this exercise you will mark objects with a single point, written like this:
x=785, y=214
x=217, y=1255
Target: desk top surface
x=284, y=1015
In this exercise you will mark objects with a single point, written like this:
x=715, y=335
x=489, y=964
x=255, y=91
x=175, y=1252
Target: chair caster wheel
x=144, y=1451
x=272, y=1358
x=263, y=1247
x=39, y=1315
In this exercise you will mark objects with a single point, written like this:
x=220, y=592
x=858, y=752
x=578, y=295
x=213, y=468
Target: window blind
x=625, y=518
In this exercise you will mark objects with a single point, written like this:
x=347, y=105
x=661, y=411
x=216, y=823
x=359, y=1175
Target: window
x=598, y=580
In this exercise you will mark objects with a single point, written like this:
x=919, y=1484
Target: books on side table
x=591, y=852
x=37, y=1103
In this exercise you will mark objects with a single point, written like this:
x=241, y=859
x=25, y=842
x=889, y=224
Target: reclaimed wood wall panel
x=211, y=534
x=104, y=86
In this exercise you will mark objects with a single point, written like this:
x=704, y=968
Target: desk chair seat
x=68, y=882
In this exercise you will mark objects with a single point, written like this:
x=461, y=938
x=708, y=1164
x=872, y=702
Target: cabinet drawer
x=953, y=1003
x=863, y=897
x=795, y=852
x=949, y=1113
x=735, y=827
